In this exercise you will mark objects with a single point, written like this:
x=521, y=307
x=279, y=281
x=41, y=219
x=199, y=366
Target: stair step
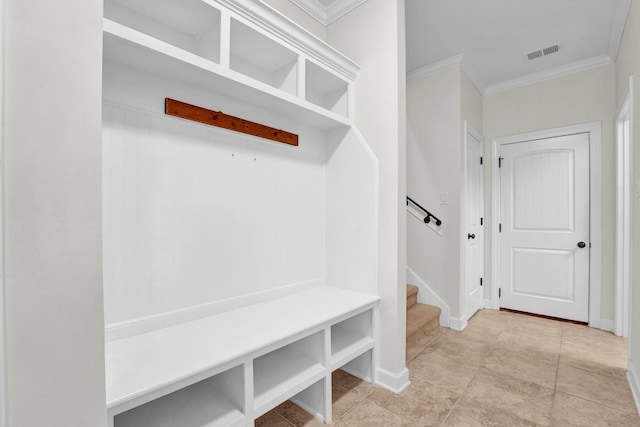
x=412, y=296
x=422, y=319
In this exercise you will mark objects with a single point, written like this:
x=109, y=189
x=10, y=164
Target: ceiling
x=490, y=39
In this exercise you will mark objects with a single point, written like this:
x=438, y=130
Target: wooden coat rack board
x=225, y=121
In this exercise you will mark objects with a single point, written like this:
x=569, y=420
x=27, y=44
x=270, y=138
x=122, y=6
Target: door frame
x=623, y=216
x=3, y=367
x=595, y=217
x=468, y=129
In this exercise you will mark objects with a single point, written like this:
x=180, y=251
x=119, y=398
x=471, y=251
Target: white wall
x=373, y=36
x=584, y=97
x=434, y=166
x=471, y=103
x=628, y=63
x=351, y=213
x=53, y=260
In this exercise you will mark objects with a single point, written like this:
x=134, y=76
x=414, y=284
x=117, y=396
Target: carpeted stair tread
x=421, y=320
x=412, y=296
x=412, y=290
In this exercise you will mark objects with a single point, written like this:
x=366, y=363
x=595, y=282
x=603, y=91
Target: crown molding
x=444, y=65
x=275, y=23
x=436, y=67
x=326, y=15
x=565, y=70
x=458, y=61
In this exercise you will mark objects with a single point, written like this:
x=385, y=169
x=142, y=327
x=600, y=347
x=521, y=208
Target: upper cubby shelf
x=197, y=31
x=326, y=89
x=238, y=48
x=262, y=58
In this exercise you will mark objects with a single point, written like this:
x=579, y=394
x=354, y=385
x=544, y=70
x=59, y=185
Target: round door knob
x=582, y=244
x=471, y=236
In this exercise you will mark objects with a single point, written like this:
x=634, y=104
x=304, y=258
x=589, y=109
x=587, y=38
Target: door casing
x=624, y=206
x=469, y=130
x=595, y=173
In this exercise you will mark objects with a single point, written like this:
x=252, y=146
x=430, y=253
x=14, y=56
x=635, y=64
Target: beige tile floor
x=504, y=369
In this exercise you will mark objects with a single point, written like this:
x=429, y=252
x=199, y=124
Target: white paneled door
x=544, y=239
x=473, y=235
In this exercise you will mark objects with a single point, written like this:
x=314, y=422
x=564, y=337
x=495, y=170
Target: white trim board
x=634, y=383
x=529, y=79
x=436, y=67
x=459, y=324
x=395, y=383
x=3, y=367
x=595, y=273
x=444, y=65
x=468, y=130
x=426, y=295
x=623, y=214
x=564, y=70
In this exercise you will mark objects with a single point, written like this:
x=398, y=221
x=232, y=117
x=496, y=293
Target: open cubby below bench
x=228, y=369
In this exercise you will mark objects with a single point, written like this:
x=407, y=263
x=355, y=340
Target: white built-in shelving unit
x=238, y=272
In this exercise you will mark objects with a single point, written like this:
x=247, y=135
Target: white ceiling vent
x=543, y=52
x=535, y=54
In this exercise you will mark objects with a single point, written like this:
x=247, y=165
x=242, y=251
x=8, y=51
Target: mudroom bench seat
x=230, y=368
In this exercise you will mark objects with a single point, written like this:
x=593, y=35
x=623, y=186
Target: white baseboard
x=607, y=325
x=488, y=305
x=604, y=324
x=458, y=324
x=115, y=331
x=395, y=383
x=426, y=295
x=634, y=383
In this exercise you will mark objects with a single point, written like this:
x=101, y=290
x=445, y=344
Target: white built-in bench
x=196, y=217
x=228, y=369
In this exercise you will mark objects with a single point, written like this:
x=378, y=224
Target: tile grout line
x=425, y=346
x=336, y=421
x=285, y=419
x=562, y=340
x=468, y=385
x=460, y=397
x=555, y=384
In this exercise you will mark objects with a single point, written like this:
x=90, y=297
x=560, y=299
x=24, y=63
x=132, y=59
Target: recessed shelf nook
x=197, y=32
x=258, y=56
x=280, y=374
x=350, y=338
x=216, y=401
x=325, y=89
